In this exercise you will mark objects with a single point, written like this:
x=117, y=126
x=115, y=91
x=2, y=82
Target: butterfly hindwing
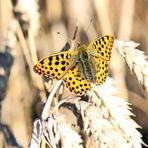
x=75, y=82
x=55, y=66
x=101, y=68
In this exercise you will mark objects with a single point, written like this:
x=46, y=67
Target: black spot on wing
x=63, y=68
x=62, y=56
x=56, y=63
x=63, y=62
x=57, y=58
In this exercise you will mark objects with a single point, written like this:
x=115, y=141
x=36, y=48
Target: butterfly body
x=85, y=65
x=79, y=68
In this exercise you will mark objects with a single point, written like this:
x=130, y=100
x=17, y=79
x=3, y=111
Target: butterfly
x=79, y=68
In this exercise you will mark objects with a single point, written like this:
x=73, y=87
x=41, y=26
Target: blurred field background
x=32, y=29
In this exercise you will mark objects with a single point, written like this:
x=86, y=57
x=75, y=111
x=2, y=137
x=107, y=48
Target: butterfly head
x=82, y=47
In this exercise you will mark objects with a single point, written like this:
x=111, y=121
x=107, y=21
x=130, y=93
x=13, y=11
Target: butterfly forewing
x=102, y=46
x=56, y=66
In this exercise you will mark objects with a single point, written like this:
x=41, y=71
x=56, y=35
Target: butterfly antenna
x=89, y=25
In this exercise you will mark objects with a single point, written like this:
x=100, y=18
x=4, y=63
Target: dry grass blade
x=135, y=59
x=47, y=108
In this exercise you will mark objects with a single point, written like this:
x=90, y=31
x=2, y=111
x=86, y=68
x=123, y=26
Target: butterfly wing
x=101, y=47
x=100, y=52
x=101, y=70
x=56, y=65
x=75, y=82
